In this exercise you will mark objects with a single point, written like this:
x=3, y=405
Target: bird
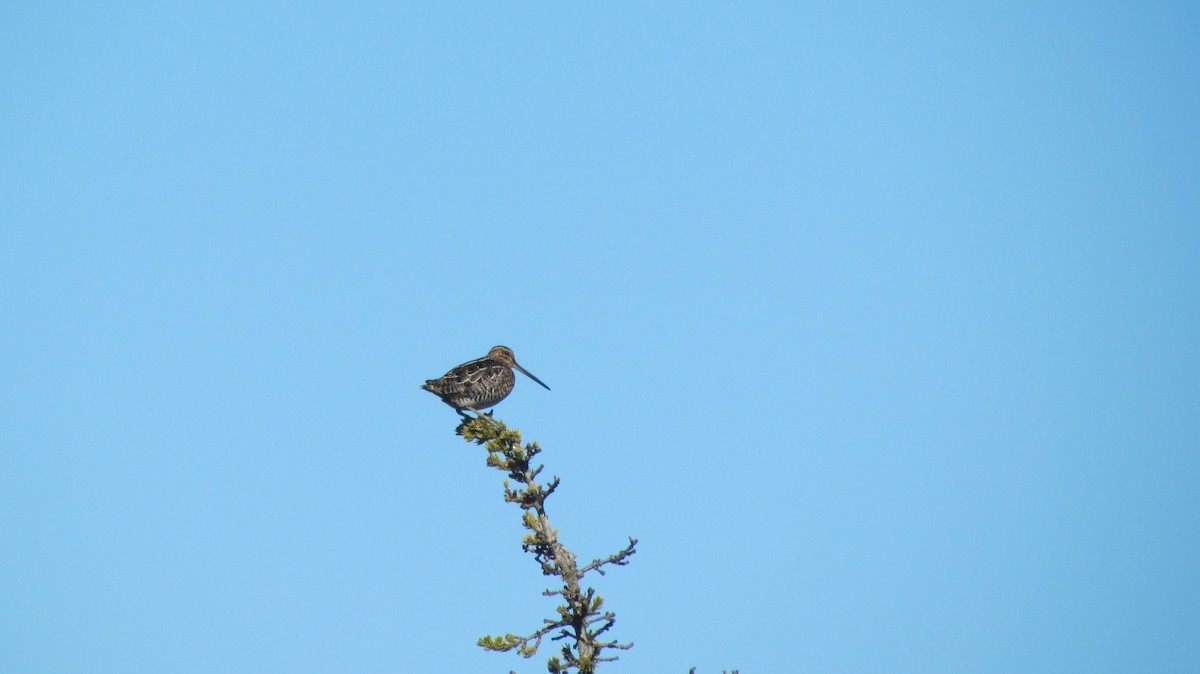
x=479, y=383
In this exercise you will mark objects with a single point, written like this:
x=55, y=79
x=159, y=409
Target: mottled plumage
x=479, y=383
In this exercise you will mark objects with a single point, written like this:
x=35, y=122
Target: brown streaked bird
x=482, y=382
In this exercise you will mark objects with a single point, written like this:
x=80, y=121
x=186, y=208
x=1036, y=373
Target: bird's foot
x=486, y=417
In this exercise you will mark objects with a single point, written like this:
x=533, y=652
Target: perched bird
x=482, y=382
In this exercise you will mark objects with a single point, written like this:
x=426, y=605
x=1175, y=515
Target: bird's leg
x=486, y=417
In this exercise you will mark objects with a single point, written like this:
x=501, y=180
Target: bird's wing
x=469, y=375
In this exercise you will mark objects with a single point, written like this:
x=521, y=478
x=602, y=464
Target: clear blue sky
x=877, y=323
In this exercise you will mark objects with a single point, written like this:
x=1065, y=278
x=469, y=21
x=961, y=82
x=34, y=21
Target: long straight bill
x=527, y=374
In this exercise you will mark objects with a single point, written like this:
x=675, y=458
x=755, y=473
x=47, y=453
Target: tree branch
x=579, y=619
